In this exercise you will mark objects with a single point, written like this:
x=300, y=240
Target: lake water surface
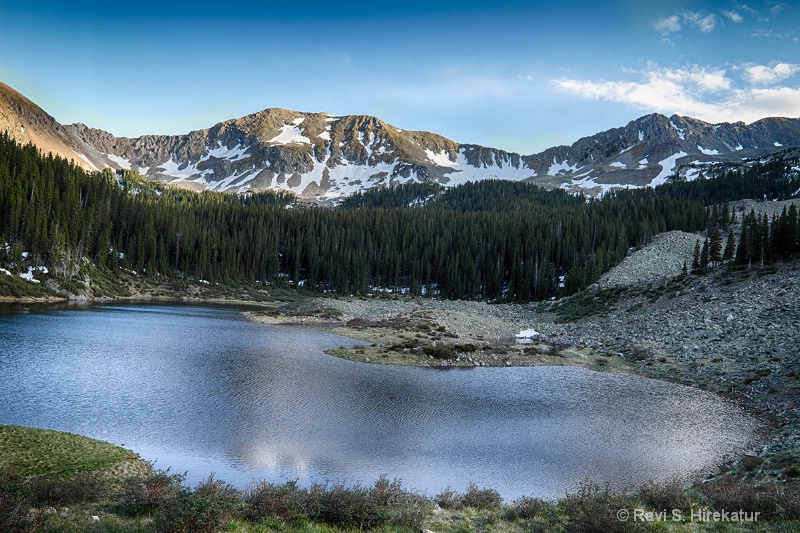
x=201, y=389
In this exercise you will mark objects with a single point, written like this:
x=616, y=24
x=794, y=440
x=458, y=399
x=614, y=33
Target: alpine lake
x=201, y=390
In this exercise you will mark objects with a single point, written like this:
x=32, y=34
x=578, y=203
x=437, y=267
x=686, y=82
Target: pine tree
x=715, y=247
x=728, y=254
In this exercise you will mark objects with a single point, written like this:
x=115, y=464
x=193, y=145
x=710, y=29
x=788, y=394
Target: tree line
x=492, y=240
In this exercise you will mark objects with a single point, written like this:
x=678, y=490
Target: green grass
x=40, y=452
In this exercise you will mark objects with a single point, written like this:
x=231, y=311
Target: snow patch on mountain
x=223, y=152
x=183, y=172
x=587, y=182
x=442, y=158
x=94, y=167
x=681, y=131
x=234, y=181
x=121, y=161
x=562, y=168
x=667, y=167
x=707, y=151
x=290, y=134
x=349, y=178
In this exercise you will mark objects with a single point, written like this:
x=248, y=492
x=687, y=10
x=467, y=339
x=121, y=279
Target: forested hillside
x=493, y=240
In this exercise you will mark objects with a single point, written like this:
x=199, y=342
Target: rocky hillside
x=26, y=122
x=321, y=156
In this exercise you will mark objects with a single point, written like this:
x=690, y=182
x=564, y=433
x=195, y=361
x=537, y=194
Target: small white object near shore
x=526, y=335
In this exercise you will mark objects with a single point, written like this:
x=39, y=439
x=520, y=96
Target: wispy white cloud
x=734, y=16
x=668, y=25
x=764, y=75
x=708, y=94
x=701, y=21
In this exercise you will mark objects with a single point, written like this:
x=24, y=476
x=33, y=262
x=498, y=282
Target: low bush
x=481, y=498
x=440, y=351
x=405, y=508
x=346, y=507
x=527, y=508
x=665, y=495
x=212, y=505
x=286, y=502
x=593, y=509
x=728, y=492
x=448, y=499
x=83, y=487
x=141, y=495
x=14, y=504
x=466, y=348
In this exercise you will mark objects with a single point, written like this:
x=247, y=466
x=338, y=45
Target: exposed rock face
x=322, y=156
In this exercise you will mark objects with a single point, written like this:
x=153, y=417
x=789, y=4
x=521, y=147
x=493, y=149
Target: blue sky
x=521, y=76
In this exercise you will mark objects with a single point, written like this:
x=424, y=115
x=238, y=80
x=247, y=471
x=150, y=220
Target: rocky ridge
x=324, y=157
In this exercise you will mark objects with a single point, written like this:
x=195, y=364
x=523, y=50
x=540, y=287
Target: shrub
x=730, y=493
x=83, y=487
x=593, y=509
x=750, y=462
x=638, y=353
x=206, y=509
x=440, y=351
x=144, y=494
x=448, y=499
x=789, y=501
x=14, y=505
x=405, y=508
x=527, y=508
x=466, y=348
x=665, y=495
x=481, y=498
x=345, y=507
x=267, y=500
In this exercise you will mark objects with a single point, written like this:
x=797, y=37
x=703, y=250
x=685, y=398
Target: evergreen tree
x=728, y=254
x=696, y=257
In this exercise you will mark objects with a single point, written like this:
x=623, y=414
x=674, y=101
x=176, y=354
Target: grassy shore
x=40, y=452
x=59, y=482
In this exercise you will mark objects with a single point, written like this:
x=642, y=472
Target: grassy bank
x=58, y=455
x=57, y=482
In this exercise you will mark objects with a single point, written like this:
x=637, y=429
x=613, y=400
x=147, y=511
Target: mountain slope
x=321, y=156
x=26, y=122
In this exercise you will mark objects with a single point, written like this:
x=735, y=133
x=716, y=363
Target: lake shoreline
x=705, y=332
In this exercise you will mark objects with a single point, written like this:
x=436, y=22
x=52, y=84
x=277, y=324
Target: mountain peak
x=322, y=156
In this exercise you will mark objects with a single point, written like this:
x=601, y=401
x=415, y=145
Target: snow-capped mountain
x=321, y=156
x=650, y=149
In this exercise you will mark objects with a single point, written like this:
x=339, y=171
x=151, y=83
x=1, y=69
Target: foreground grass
x=41, y=452
x=58, y=482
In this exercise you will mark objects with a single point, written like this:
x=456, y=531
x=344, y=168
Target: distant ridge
x=320, y=156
